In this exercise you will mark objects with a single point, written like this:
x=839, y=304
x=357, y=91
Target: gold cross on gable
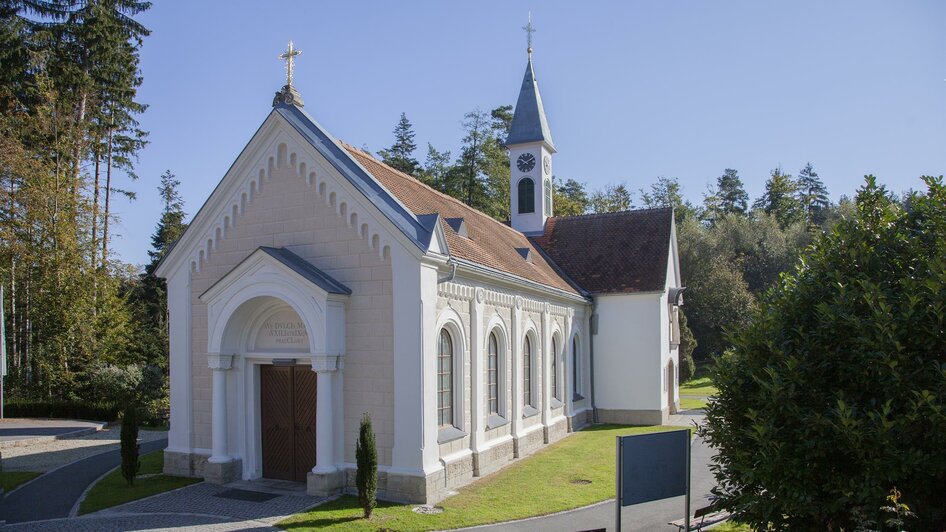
x=529, y=31
x=287, y=57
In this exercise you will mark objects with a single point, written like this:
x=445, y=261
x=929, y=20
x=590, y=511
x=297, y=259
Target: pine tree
x=731, y=194
x=779, y=198
x=366, y=476
x=666, y=193
x=400, y=155
x=171, y=225
x=570, y=198
x=613, y=198
x=436, y=167
x=812, y=195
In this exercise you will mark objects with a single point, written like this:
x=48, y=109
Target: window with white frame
x=576, y=368
x=554, y=368
x=492, y=373
x=445, y=379
x=527, y=396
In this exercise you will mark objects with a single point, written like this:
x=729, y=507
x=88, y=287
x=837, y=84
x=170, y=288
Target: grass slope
x=540, y=484
x=692, y=403
x=12, y=479
x=700, y=386
x=112, y=490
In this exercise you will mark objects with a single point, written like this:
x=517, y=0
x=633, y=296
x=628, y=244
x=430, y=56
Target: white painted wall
x=629, y=348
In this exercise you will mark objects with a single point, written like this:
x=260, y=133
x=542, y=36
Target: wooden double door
x=287, y=419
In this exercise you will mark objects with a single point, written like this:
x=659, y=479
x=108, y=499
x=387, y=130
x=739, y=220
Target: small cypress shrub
x=129, y=439
x=366, y=455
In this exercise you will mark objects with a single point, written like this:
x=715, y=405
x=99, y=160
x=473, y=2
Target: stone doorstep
x=26, y=442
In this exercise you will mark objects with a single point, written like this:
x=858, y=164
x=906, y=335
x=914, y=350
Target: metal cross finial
x=529, y=31
x=287, y=57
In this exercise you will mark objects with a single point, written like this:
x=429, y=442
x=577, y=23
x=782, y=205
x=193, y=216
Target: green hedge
x=95, y=411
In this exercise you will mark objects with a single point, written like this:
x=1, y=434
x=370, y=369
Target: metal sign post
x=617, y=482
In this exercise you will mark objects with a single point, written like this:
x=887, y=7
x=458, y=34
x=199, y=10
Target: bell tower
x=530, y=155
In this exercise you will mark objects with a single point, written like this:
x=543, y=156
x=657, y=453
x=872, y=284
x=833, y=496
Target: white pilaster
x=546, y=358
x=566, y=375
x=476, y=371
x=220, y=364
x=516, y=340
x=181, y=384
x=324, y=366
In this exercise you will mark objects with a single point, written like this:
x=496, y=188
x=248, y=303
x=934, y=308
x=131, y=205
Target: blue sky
x=633, y=90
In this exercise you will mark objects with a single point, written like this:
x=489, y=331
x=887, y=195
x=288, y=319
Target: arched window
x=554, y=368
x=527, y=373
x=445, y=379
x=492, y=371
x=576, y=368
x=547, y=200
x=526, y=196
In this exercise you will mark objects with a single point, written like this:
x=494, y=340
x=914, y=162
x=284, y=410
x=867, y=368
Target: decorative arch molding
x=281, y=154
x=271, y=286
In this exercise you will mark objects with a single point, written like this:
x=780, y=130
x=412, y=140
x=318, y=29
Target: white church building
x=317, y=284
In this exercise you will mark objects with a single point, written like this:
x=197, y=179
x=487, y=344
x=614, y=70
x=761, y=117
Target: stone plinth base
x=325, y=484
x=184, y=464
x=223, y=473
x=633, y=417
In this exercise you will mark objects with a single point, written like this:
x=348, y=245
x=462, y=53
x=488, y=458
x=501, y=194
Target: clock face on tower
x=547, y=164
x=525, y=162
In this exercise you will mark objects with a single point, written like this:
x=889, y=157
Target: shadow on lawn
x=343, y=510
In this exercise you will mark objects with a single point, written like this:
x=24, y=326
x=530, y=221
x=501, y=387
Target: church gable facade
x=317, y=284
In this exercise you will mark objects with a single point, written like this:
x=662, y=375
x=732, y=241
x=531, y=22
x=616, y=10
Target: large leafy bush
x=835, y=392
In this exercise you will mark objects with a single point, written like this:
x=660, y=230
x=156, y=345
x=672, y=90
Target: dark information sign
x=653, y=466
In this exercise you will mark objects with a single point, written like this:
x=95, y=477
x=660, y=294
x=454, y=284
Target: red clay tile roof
x=611, y=253
x=490, y=243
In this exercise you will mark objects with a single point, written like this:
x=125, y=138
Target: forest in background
x=86, y=332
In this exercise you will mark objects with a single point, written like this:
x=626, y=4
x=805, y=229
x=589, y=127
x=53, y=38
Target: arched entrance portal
x=276, y=342
x=275, y=335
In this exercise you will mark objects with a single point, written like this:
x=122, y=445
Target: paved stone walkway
x=49, y=455
x=195, y=507
x=202, y=498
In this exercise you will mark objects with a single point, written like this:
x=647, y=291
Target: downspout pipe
x=453, y=272
x=593, y=329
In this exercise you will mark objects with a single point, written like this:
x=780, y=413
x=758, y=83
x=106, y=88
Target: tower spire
x=529, y=29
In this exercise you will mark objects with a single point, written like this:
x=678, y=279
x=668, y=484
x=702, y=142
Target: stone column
x=220, y=364
x=325, y=478
x=221, y=467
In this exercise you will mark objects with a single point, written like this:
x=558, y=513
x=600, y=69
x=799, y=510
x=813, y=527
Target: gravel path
x=50, y=455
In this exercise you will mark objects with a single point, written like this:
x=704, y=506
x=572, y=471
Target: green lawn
x=729, y=526
x=692, y=403
x=113, y=490
x=12, y=479
x=551, y=480
x=699, y=386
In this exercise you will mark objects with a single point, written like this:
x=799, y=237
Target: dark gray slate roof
x=419, y=232
x=528, y=122
x=307, y=270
